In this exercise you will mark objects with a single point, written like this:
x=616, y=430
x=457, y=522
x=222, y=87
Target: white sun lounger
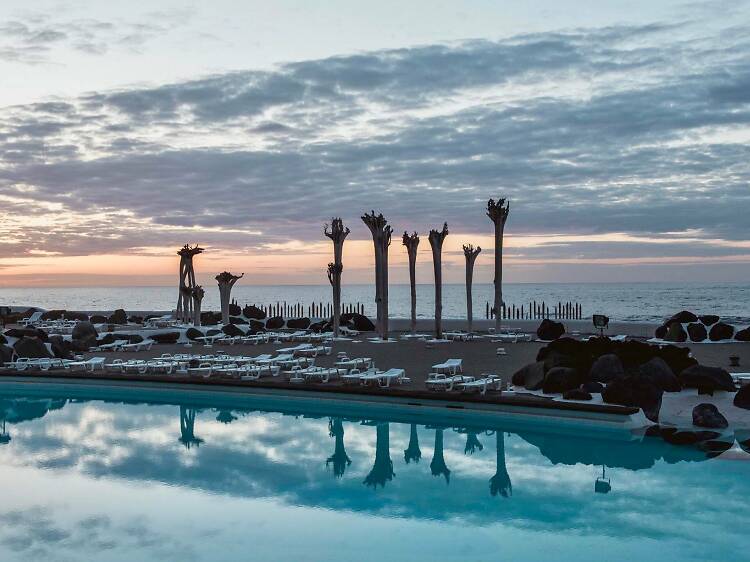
x=481, y=384
x=451, y=366
x=384, y=378
x=140, y=346
x=88, y=365
x=441, y=381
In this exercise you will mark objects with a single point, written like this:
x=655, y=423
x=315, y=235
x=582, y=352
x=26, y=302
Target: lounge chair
x=451, y=366
x=88, y=365
x=114, y=346
x=441, y=381
x=384, y=378
x=481, y=384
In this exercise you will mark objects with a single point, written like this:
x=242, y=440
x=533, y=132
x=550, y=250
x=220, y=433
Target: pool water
x=107, y=474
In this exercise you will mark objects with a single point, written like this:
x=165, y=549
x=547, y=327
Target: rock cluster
x=687, y=326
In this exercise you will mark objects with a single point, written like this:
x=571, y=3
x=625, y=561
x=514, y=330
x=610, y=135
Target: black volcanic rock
x=237, y=320
x=742, y=335
x=606, y=368
x=253, y=312
x=118, y=317
x=675, y=333
x=697, y=332
x=31, y=347
x=165, y=337
x=234, y=309
x=709, y=319
x=721, y=331
x=298, y=323
x=577, y=394
x=550, y=330
x=274, y=323
x=193, y=333
x=359, y=322
x=530, y=377
x=560, y=379
x=232, y=330
x=707, y=378
x=708, y=415
x=657, y=371
x=742, y=399
x=683, y=317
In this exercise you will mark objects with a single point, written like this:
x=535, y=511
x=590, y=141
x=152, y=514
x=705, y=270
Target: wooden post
x=470, y=253
x=498, y=211
x=436, y=239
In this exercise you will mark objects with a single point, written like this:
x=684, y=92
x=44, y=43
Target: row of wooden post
x=314, y=310
x=561, y=311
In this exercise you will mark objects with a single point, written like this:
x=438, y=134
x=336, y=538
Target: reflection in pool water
x=148, y=476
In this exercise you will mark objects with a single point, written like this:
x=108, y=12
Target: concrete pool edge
x=448, y=407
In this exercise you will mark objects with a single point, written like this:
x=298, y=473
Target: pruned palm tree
x=339, y=458
x=437, y=465
x=472, y=443
x=187, y=428
x=413, y=452
x=500, y=483
x=382, y=468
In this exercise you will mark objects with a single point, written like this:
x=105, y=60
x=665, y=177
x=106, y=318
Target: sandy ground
x=479, y=356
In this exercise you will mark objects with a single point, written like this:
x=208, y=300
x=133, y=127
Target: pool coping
x=525, y=405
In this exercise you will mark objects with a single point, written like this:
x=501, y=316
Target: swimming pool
x=108, y=474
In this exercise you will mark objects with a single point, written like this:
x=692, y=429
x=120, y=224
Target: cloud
x=639, y=130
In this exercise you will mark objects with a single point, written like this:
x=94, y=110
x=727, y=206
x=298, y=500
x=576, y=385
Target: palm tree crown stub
x=498, y=210
x=437, y=236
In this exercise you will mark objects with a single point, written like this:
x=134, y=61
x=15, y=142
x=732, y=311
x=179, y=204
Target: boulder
x=576, y=394
x=677, y=437
x=550, y=330
x=61, y=348
x=742, y=398
x=530, y=377
x=678, y=358
x=592, y=387
x=6, y=352
x=321, y=326
x=560, y=379
x=742, y=335
x=31, y=347
x=274, y=323
x=132, y=338
x=707, y=378
x=697, y=332
x=118, y=317
x=165, y=337
x=606, y=368
x=135, y=319
x=3, y=339
x=193, y=334
x=257, y=326
x=359, y=322
x=108, y=338
x=298, y=323
x=657, y=371
x=709, y=319
x=25, y=332
x=213, y=332
x=557, y=359
x=675, y=333
x=253, y=312
x=209, y=318
x=234, y=309
x=635, y=391
x=237, y=320
x=708, y=415
x=721, y=331
x=661, y=332
x=98, y=319
x=70, y=315
x=683, y=317
x=53, y=315
x=232, y=330
x=84, y=331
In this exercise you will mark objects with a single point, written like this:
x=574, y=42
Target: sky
x=618, y=131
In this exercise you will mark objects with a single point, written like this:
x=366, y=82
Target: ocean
x=637, y=302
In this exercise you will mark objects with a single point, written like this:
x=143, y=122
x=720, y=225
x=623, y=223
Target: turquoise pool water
x=95, y=474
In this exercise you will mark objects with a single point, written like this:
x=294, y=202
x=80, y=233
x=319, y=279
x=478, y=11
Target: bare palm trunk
x=337, y=234
x=436, y=239
x=381, y=239
x=411, y=241
x=470, y=253
x=498, y=213
x=226, y=281
x=184, y=311
x=198, y=294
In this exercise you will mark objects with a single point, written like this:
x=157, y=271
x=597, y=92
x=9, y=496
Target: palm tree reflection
x=226, y=416
x=412, y=452
x=472, y=443
x=437, y=466
x=339, y=458
x=382, y=468
x=500, y=482
x=187, y=428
